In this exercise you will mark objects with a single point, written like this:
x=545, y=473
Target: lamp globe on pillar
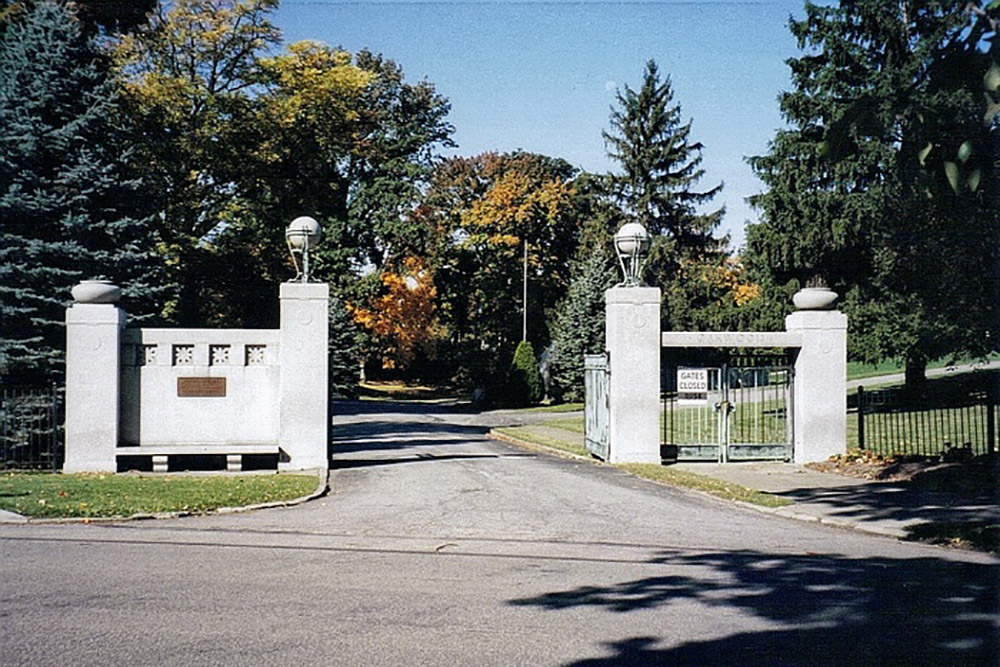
x=302, y=234
x=632, y=245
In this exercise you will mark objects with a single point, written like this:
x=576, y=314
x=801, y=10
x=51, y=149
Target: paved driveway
x=440, y=547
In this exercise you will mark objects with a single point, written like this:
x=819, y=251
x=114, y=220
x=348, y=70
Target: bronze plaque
x=201, y=387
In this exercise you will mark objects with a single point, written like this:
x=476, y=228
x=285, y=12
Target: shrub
x=524, y=385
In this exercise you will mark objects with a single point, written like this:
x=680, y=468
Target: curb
x=322, y=488
x=787, y=512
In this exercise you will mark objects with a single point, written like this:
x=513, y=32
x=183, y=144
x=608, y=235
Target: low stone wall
x=180, y=392
x=204, y=386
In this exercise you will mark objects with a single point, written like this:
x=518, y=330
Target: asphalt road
x=440, y=547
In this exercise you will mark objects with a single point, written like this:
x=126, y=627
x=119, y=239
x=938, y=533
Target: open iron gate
x=596, y=406
x=736, y=408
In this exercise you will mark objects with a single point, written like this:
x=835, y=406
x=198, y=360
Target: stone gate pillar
x=633, y=344
x=304, y=418
x=820, y=389
x=94, y=326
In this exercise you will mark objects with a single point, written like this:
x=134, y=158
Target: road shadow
x=829, y=610
x=901, y=501
x=345, y=464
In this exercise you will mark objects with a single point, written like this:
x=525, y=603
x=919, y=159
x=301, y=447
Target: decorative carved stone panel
x=183, y=355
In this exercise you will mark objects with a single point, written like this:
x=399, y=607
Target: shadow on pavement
x=343, y=464
x=833, y=610
x=900, y=502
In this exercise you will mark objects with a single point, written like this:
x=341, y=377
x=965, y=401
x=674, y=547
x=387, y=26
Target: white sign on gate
x=692, y=386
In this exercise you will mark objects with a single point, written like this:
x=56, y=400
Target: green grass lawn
x=106, y=495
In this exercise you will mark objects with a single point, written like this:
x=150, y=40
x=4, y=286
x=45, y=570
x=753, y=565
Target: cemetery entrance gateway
x=726, y=404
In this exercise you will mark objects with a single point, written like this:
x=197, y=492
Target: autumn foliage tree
x=242, y=137
x=483, y=210
x=401, y=316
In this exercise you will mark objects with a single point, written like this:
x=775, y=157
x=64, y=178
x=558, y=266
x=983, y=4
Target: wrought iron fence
x=948, y=418
x=31, y=428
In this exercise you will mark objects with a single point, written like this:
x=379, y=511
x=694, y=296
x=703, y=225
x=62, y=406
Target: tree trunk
x=916, y=369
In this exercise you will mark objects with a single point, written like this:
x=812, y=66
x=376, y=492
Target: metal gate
x=31, y=428
x=596, y=406
x=737, y=410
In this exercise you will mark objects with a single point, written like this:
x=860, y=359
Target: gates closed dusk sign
x=692, y=386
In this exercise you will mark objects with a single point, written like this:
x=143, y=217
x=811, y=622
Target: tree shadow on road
x=900, y=501
x=827, y=610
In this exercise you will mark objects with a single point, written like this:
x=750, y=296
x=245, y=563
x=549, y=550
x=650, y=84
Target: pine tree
x=578, y=328
x=852, y=199
x=67, y=210
x=660, y=167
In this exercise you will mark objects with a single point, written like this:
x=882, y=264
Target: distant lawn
x=394, y=390
x=106, y=495
x=857, y=370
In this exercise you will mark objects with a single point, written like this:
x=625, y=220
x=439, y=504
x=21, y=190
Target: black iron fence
x=31, y=428
x=952, y=418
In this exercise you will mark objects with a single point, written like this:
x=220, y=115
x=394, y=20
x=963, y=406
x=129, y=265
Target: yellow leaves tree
x=728, y=281
x=401, y=316
x=315, y=89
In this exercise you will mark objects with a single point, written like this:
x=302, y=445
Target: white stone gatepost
x=819, y=401
x=304, y=424
x=94, y=326
x=633, y=344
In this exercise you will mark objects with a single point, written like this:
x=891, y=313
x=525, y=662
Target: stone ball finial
x=96, y=291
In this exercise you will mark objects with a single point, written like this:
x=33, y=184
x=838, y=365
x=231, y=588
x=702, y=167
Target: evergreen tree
x=578, y=328
x=345, y=352
x=67, y=210
x=524, y=381
x=660, y=167
x=852, y=199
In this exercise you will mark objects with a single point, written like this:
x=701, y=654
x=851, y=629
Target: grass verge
x=104, y=495
x=657, y=473
x=978, y=535
x=574, y=424
x=558, y=407
x=715, y=487
x=524, y=433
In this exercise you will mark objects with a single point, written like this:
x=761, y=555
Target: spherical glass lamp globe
x=303, y=233
x=632, y=240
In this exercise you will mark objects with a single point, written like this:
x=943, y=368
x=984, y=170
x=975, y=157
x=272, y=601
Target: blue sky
x=541, y=76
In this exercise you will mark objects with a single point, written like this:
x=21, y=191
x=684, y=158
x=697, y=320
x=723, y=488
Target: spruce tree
x=660, y=167
x=67, y=209
x=345, y=352
x=578, y=328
